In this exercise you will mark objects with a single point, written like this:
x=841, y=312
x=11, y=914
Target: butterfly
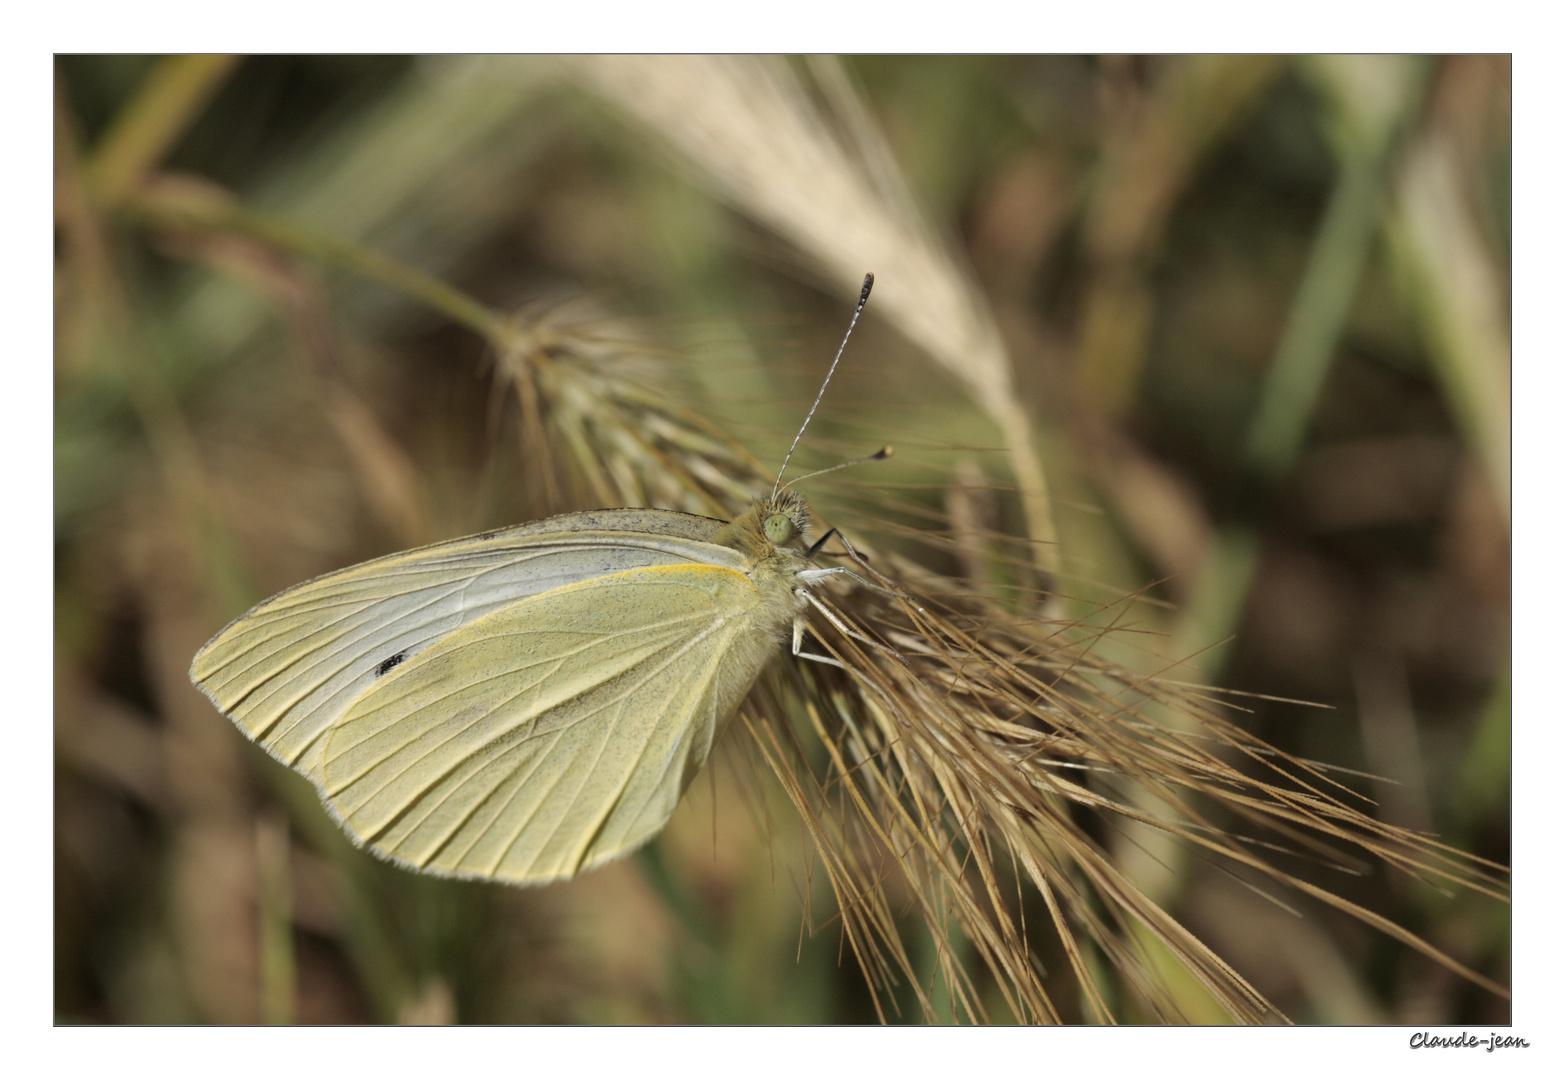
x=525, y=703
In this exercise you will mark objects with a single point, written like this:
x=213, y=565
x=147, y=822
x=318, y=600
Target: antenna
x=869, y=283
x=879, y=455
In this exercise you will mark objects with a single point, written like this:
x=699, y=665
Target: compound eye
x=779, y=528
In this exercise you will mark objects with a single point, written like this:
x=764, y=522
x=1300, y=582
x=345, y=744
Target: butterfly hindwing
x=551, y=734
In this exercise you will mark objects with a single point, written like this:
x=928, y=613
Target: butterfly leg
x=798, y=640
x=815, y=575
x=884, y=586
x=831, y=617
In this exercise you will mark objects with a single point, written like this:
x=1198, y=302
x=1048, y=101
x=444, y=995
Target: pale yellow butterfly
x=522, y=704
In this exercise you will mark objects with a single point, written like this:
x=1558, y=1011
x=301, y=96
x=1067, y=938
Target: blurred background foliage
x=1250, y=314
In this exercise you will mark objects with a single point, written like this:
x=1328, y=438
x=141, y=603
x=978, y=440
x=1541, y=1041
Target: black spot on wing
x=389, y=663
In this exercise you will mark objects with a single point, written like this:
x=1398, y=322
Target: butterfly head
x=774, y=526
x=784, y=520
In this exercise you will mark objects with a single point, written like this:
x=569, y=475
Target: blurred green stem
x=944, y=998
x=1315, y=321
x=162, y=209
x=374, y=949
x=274, y=893
x=170, y=99
x=1449, y=277
x=1486, y=765
x=1214, y=608
x=1320, y=308
x=1367, y=104
x=676, y=897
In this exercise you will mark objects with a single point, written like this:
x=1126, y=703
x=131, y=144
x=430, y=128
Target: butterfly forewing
x=552, y=734
x=289, y=668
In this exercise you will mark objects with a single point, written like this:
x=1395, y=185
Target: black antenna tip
x=869, y=283
x=883, y=453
